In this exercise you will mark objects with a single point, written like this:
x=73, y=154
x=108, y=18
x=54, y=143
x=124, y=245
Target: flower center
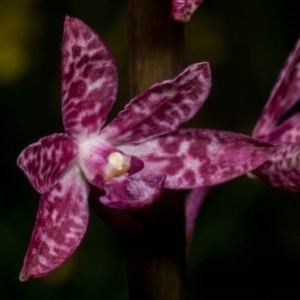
x=117, y=165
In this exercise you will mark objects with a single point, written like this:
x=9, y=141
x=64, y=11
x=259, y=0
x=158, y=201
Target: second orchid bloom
x=282, y=169
x=132, y=159
x=182, y=10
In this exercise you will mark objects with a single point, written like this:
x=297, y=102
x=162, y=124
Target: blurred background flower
x=247, y=235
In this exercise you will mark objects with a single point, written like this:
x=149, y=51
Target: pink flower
x=282, y=169
x=182, y=10
x=131, y=159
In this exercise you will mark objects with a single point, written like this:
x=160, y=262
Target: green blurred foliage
x=15, y=38
x=247, y=236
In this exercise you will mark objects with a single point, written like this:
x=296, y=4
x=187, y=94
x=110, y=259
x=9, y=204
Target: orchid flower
x=282, y=169
x=182, y=10
x=131, y=159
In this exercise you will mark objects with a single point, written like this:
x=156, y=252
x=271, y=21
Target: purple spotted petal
x=193, y=204
x=161, y=108
x=199, y=157
x=282, y=170
x=128, y=192
x=89, y=80
x=44, y=161
x=61, y=222
x=284, y=95
x=288, y=131
x=182, y=10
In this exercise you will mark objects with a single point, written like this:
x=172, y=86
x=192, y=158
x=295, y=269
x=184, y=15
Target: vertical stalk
x=156, y=43
x=156, y=257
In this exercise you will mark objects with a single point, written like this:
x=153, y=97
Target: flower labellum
x=130, y=159
x=282, y=169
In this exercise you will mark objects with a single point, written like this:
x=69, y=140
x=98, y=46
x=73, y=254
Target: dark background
x=247, y=239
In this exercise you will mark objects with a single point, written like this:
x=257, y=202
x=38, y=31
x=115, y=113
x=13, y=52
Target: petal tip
x=69, y=21
x=23, y=277
x=206, y=67
x=28, y=273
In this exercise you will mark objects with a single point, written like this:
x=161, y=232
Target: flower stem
x=156, y=43
x=156, y=257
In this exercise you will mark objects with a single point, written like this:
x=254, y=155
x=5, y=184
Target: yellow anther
x=116, y=160
x=117, y=165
